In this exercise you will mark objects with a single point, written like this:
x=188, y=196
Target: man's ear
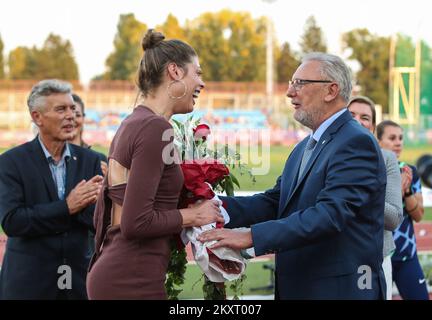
x=332, y=92
x=36, y=117
x=174, y=71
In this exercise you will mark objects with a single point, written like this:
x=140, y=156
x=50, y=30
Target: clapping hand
x=84, y=194
x=406, y=178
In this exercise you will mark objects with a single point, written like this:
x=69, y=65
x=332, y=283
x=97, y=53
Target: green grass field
x=256, y=278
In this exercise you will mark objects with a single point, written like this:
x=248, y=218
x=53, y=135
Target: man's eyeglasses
x=297, y=84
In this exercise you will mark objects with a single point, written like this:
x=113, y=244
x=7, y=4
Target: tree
x=372, y=53
x=22, y=63
x=286, y=63
x=54, y=60
x=231, y=45
x=172, y=29
x=2, y=74
x=123, y=62
x=313, y=37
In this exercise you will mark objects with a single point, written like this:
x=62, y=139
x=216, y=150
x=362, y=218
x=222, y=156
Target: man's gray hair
x=333, y=68
x=46, y=88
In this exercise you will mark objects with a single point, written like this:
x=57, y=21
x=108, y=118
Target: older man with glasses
x=324, y=217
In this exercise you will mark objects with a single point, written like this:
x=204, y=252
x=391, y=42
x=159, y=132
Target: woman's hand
x=201, y=214
x=406, y=178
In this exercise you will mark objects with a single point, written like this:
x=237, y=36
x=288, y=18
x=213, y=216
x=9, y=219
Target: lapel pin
x=74, y=158
x=323, y=142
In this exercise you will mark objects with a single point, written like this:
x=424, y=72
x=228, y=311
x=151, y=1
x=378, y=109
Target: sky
x=90, y=25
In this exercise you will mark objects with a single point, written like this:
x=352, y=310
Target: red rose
x=202, y=131
x=198, y=173
x=214, y=171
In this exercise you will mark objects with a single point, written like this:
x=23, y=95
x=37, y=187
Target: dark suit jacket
x=42, y=235
x=327, y=229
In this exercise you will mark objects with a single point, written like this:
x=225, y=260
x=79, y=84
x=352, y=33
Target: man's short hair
x=77, y=99
x=384, y=124
x=333, y=68
x=369, y=102
x=44, y=88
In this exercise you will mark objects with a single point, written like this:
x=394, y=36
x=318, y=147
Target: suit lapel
x=293, y=174
x=322, y=143
x=295, y=180
x=318, y=148
x=43, y=168
x=71, y=169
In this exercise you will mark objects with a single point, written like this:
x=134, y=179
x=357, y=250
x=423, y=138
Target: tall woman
x=136, y=214
x=407, y=272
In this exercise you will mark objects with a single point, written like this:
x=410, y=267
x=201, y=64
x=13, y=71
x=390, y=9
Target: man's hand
x=228, y=238
x=84, y=194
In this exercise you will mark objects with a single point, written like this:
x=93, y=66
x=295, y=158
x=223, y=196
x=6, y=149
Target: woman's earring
x=169, y=87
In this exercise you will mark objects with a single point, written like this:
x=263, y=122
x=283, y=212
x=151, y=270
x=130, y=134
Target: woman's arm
x=414, y=206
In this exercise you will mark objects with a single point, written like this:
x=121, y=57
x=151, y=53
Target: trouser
x=410, y=280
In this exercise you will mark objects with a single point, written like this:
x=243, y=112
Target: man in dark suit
x=324, y=216
x=48, y=188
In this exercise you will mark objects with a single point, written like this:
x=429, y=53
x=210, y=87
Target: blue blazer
x=326, y=229
x=42, y=235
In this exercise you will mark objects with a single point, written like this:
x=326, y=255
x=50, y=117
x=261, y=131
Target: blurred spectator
x=407, y=272
x=78, y=140
x=79, y=128
x=363, y=110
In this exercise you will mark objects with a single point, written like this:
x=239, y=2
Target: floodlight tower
x=269, y=59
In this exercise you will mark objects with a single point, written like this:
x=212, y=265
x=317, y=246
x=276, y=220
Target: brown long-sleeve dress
x=131, y=259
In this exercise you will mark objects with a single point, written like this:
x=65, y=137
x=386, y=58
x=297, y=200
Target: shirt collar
x=66, y=152
x=324, y=126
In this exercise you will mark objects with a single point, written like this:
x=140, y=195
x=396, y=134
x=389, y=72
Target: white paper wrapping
x=213, y=272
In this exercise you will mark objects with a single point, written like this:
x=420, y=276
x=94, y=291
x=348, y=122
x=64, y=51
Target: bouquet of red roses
x=204, y=172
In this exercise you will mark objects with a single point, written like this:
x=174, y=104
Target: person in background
x=363, y=110
x=407, y=272
x=79, y=129
x=48, y=188
x=78, y=140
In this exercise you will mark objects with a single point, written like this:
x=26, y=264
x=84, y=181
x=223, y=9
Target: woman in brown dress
x=136, y=214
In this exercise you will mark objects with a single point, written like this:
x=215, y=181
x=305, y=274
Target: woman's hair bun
x=152, y=39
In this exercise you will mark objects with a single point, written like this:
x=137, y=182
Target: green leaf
x=229, y=187
x=213, y=290
x=234, y=179
x=176, y=271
